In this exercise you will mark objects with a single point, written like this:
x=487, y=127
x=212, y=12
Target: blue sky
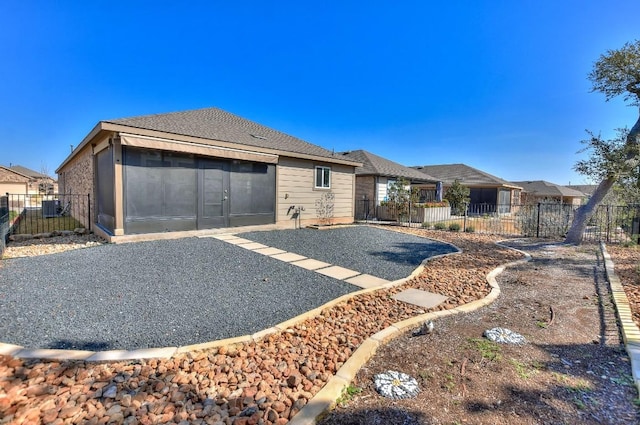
x=498, y=85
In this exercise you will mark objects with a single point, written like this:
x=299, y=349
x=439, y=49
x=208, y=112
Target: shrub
x=439, y=226
x=470, y=229
x=444, y=203
x=426, y=225
x=454, y=227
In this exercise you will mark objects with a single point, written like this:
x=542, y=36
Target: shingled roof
x=545, y=188
x=374, y=165
x=216, y=124
x=28, y=172
x=468, y=176
x=587, y=189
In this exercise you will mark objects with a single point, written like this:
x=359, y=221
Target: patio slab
x=420, y=298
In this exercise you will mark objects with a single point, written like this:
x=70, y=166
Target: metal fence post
x=538, y=224
x=464, y=222
x=89, y=212
x=608, y=223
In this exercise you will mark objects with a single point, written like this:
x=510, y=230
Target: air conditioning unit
x=50, y=208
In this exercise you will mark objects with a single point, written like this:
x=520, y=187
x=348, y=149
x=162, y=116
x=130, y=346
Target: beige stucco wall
x=13, y=188
x=295, y=187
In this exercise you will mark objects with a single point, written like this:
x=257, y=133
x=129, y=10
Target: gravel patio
x=187, y=291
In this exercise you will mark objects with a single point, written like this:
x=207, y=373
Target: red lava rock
x=279, y=406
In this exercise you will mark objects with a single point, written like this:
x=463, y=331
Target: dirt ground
x=572, y=368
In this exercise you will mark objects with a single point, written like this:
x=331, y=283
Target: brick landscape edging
x=630, y=331
x=325, y=399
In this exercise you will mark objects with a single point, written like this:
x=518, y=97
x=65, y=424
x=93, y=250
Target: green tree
x=458, y=196
x=399, y=195
x=615, y=73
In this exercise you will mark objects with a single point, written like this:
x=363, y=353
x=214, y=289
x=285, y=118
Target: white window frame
x=324, y=169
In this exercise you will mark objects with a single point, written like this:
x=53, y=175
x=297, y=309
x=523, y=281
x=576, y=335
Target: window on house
x=323, y=178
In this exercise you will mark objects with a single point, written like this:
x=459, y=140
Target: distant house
x=587, y=189
x=488, y=193
x=543, y=191
x=19, y=180
x=376, y=174
x=203, y=169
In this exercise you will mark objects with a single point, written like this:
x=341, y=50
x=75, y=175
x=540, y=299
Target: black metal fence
x=4, y=223
x=38, y=213
x=610, y=223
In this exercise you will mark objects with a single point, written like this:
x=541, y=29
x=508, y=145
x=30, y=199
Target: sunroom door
x=213, y=194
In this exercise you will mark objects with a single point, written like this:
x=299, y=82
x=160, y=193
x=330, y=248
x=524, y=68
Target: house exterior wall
x=295, y=188
x=13, y=183
x=13, y=188
x=365, y=188
x=77, y=178
x=528, y=198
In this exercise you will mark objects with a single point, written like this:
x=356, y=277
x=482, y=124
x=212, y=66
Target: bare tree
x=615, y=73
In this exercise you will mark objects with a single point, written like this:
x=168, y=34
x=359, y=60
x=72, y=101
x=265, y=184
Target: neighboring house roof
x=374, y=165
x=543, y=188
x=23, y=177
x=215, y=127
x=28, y=172
x=466, y=175
x=587, y=189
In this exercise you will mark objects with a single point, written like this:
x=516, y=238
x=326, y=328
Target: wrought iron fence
x=610, y=223
x=38, y=213
x=4, y=223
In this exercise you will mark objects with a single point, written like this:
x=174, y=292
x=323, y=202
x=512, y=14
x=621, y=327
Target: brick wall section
x=7, y=176
x=76, y=178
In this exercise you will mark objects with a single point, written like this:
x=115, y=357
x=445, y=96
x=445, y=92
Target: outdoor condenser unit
x=50, y=208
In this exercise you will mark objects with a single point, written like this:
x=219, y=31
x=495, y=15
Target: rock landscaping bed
x=560, y=375
x=28, y=245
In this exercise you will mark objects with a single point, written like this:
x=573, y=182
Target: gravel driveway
x=185, y=291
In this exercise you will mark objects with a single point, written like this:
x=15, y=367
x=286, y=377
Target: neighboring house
x=203, y=169
x=587, y=189
x=488, y=193
x=543, y=191
x=18, y=180
x=376, y=174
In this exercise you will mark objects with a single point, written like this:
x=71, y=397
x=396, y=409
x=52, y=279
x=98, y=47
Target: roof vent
x=258, y=137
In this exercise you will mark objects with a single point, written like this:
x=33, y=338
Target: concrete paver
x=338, y=272
x=288, y=257
x=252, y=246
x=367, y=281
x=420, y=298
x=311, y=264
x=269, y=251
